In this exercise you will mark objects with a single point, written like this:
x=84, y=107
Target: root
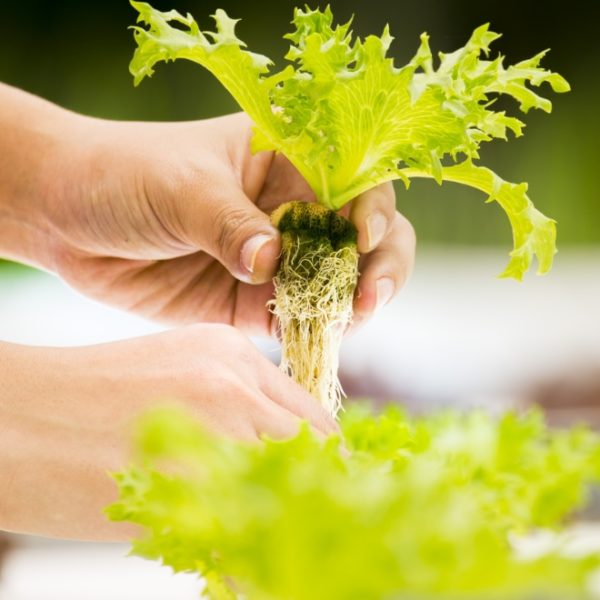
x=314, y=290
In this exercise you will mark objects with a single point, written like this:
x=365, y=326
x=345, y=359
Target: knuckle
x=228, y=337
x=381, y=198
x=231, y=224
x=194, y=330
x=236, y=388
x=405, y=228
x=185, y=179
x=376, y=200
x=190, y=337
x=180, y=181
x=206, y=340
x=231, y=335
x=236, y=344
x=220, y=329
x=267, y=410
x=386, y=202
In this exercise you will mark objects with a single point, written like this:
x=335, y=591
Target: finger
x=229, y=226
x=386, y=269
x=372, y=214
x=279, y=423
x=285, y=392
x=284, y=183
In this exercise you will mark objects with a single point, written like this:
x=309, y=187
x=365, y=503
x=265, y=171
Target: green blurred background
x=76, y=53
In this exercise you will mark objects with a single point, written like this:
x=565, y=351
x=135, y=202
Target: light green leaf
x=533, y=233
x=345, y=116
x=411, y=508
x=239, y=71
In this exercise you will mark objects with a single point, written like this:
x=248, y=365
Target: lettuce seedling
x=349, y=119
x=410, y=509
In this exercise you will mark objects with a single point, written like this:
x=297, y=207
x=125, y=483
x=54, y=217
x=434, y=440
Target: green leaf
x=347, y=118
x=533, y=233
x=411, y=508
x=221, y=52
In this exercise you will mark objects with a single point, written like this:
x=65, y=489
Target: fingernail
x=385, y=290
x=250, y=251
x=376, y=228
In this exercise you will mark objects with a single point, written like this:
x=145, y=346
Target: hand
x=67, y=411
x=170, y=220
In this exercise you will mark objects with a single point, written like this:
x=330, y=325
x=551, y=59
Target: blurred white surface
x=38, y=308
x=456, y=333
x=72, y=571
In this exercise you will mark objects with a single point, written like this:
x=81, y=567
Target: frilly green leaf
x=346, y=116
x=533, y=233
x=408, y=508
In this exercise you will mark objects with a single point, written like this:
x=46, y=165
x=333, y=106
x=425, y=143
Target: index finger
x=284, y=391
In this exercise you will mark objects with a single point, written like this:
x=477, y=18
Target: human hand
x=170, y=220
x=66, y=414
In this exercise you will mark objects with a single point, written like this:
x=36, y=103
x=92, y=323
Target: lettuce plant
x=409, y=508
x=349, y=119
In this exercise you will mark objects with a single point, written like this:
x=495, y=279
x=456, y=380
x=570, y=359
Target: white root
x=314, y=290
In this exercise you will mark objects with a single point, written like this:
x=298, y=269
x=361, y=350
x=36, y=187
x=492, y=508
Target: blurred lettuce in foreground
x=410, y=508
x=348, y=119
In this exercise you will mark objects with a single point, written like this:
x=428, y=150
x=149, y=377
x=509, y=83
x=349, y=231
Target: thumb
x=230, y=227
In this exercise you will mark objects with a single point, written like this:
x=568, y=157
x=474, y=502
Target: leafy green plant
x=349, y=119
x=410, y=508
x=407, y=508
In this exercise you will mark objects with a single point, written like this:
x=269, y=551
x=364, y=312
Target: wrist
x=55, y=453
x=16, y=447
x=37, y=138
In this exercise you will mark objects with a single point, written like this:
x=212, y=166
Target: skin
x=63, y=431
x=171, y=221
